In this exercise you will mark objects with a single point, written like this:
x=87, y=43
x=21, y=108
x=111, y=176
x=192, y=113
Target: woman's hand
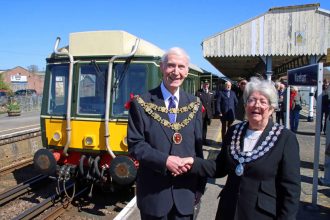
x=184, y=166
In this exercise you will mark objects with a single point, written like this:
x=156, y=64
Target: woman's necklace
x=261, y=150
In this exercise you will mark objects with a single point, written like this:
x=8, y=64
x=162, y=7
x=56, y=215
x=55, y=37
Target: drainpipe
x=68, y=108
x=107, y=103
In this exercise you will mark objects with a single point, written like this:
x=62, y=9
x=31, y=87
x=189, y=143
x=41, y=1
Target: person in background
x=279, y=112
x=206, y=97
x=325, y=105
x=226, y=105
x=277, y=87
x=163, y=124
x=285, y=101
x=295, y=108
x=261, y=161
x=240, y=109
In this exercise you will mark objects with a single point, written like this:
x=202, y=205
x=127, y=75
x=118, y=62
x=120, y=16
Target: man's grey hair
x=177, y=51
x=265, y=87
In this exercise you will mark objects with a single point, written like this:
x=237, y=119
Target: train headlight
x=89, y=140
x=57, y=136
x=125, y=141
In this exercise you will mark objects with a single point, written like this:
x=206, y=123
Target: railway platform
x=306, y=138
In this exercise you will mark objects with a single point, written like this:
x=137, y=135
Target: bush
x=13, y=106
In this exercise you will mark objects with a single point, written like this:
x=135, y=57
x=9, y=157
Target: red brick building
x=20, y=78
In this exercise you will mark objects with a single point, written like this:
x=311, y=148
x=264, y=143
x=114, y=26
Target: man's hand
x=174, y=164
x=180, y=166
x=188, y=162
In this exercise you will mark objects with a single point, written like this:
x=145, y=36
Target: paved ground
x=306, y=138
x=26, y=120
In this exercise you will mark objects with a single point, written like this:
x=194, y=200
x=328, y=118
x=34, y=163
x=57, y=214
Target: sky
x=28, y=29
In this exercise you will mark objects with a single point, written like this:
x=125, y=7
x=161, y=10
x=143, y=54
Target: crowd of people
x=260, y=157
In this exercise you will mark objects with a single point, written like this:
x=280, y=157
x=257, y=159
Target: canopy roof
x=290, y=35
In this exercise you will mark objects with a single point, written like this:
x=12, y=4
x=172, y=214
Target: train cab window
x=92, y=89
x=58, y=89
x=126, y=81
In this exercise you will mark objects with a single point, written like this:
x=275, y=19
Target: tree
x=3, y=84
x=32, y=68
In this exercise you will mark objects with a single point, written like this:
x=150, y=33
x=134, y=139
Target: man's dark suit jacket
x=151, y=143
x=206, y=99
x=226, y=105
x=270, y=185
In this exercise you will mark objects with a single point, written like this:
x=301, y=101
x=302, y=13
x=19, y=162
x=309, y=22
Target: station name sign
x=18, y=78
x=304, y=76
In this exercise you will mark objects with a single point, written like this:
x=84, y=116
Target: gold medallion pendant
x=177, y=138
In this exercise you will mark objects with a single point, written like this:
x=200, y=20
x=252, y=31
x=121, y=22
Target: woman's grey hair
x=177, y=51
x=265, y=87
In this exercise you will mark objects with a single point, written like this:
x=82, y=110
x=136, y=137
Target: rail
x=15, y=166
x=45, y=204
x=20, y=189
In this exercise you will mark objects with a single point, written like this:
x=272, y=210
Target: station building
x=20, y=78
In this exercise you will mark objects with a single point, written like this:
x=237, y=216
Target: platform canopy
x=291, y=36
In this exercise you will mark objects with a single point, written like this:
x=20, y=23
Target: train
x=88, y=87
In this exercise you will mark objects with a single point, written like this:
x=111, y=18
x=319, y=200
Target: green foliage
x=3, y=85
x=13, y=106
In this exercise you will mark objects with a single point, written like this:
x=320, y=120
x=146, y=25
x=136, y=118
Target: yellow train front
x=87, y=91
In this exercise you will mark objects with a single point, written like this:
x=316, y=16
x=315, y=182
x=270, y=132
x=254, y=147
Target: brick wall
x=33, y=81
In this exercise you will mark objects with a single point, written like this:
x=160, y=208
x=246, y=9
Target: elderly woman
x=261, y=160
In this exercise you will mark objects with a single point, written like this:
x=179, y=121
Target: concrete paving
x=27, y=120
x=307, y=211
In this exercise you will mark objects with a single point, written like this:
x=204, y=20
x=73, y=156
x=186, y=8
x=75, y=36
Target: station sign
x=303, y=76
x=18, y=78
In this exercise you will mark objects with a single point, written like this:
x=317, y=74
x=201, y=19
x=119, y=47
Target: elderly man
x=226, y=105
x=164, y=125
x=240, y=110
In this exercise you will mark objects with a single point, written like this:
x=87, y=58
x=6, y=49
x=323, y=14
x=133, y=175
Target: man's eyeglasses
x=253, y=101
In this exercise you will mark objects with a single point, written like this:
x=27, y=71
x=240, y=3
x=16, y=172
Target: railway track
x=15, y=166
x=30, y=200
x=20, y=189
x=53, y=200
x=36, y=197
